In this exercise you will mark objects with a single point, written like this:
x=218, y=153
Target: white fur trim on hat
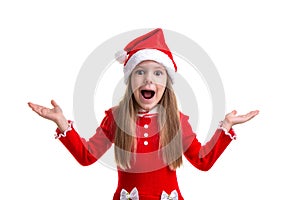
x=149, y=54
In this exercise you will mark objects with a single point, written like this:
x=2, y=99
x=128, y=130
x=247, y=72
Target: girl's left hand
x=233, y=119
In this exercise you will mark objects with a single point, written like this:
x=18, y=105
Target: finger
x=246, y=116
x=232, y=113
x=30, y=104
x=250, y=115
x=37, y=108
x=54, y=104
x=256, y=112
x=33, y=106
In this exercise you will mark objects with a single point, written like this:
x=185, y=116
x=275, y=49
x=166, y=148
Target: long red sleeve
x=86, y=152
x=201, y=156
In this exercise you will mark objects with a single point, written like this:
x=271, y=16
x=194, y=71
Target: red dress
x=149, y=174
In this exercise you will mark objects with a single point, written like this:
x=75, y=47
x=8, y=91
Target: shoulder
x=184, y=122
x=188, y=134
x=111, y=113
x=183, y=117
x=111, y=110
x=108, y=122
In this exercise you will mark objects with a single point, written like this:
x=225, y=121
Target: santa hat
x=151, y=46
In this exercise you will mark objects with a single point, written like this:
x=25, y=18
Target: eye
x=140, y=72
x=158, y=73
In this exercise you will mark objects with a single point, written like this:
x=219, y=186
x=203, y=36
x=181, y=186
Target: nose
x=148, y=79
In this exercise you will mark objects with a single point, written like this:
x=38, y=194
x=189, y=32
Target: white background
x=254, y=45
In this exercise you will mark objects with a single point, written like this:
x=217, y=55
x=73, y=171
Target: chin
x=147, y=107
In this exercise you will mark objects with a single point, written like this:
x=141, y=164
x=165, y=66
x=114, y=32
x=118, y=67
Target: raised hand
x=54, y=114
x=233, y=119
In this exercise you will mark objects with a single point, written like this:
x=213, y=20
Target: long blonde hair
x=169, y=123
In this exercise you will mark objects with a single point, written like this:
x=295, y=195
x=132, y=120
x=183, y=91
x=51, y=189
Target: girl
x=149, y=133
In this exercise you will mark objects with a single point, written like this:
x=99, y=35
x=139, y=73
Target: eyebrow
x=156, y=67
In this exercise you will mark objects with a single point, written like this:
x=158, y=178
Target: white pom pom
x=121, y=56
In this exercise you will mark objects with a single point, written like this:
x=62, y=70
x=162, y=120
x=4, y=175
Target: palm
x=233, y=119
x=47, y=113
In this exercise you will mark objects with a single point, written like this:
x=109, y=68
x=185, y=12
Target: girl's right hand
x=54, y=114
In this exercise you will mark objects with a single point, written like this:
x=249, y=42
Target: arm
x=86, y=152
x=201, y=156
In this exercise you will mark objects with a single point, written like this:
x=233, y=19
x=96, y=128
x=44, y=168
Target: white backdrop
x=254, y=45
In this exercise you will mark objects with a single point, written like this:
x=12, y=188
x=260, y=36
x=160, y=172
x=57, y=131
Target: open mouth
x=148, y=94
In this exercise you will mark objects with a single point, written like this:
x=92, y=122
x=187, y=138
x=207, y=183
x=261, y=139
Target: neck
x=143, y=112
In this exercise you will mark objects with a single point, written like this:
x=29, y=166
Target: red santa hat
x=151, y=46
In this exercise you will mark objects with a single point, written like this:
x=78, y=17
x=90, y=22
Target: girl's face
x=148, y=81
